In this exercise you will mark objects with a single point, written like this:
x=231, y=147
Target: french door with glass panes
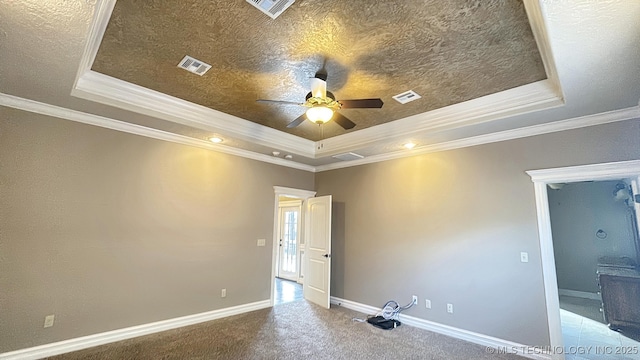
x=289, y=240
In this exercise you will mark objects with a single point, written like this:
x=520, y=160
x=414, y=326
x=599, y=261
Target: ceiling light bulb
x=409, y=145
x=215, y=139
x=319, y=114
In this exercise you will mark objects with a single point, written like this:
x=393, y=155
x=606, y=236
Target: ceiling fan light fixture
x=319, y=114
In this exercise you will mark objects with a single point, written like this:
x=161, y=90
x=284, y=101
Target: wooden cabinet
x=620, y=290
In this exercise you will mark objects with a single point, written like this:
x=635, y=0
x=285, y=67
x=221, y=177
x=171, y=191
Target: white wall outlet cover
x=524, y=257
x=450, y=308
x=223, y=293
x=427, y=303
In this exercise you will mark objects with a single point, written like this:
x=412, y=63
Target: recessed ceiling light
x=288, y=156
x=216, y=140
x=409, y=145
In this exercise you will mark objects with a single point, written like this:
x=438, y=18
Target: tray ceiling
x=448, y=52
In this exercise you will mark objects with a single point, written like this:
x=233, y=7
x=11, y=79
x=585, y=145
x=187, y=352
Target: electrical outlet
x=450, y=308
x=262, y=242
x=524, y=257
x=48, y=320
x=223, y=293
x=415, y=299
x=427, y=303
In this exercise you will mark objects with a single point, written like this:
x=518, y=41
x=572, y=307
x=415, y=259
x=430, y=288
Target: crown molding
x=105, y=89
x=562, y=125
x=91, y=119
x=108, y=123
x=517, y=101
x=101, y=16
x=539, y=29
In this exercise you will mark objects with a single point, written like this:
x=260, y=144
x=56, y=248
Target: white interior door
x=289, y=240
x=317, y=279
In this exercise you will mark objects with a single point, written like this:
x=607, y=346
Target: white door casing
x=540, y=178
x=286, y=192
x=317, y=280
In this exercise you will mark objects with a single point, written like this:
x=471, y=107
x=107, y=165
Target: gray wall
x=577, y=212
x=450, y=227
x=108, y=230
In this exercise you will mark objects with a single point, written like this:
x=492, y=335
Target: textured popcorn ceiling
x=447, y=51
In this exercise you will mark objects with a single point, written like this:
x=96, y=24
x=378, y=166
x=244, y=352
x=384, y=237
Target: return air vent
x=273, y=8
x=348, y=156
x=194, y=65
x=406, y=97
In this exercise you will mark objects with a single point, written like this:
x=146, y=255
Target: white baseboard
x=476, y=338
x=579, y=294
x=61, y=347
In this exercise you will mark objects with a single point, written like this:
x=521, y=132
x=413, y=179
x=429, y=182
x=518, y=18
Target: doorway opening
x=290, y=248
x=287, y=274
x=542, y=179
x=595, y=244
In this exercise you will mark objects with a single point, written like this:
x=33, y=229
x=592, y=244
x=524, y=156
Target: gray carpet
x=295, y=330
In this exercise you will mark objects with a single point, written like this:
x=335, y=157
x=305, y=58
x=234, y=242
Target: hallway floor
x=287, y=291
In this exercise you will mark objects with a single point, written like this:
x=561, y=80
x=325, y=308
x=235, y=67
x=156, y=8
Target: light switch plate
x=262, y=242
x=524, y=257
x=48, y=320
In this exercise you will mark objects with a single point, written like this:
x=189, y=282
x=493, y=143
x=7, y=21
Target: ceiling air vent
x=348, y=156
x=273, y=8
x=406, y=97
x=194, y=65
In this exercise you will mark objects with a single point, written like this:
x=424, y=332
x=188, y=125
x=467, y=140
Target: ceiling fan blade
x=318, y=88
x=361, y=104
x=279, y=102
x=299, y=120
x=343, y=121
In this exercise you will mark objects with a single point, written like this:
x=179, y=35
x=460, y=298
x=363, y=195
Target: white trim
x=86, y=118
x=469, y=336
x=539, y=29
x=85, y=342
x=562, y=125
x=579, y=294
x=517, y=101
x=593, y=172
x=290, y=192
x=104, y=89
x=101, y=17
x=108, y=123
x=540, y=178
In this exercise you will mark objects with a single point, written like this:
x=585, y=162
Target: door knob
x=327, y=255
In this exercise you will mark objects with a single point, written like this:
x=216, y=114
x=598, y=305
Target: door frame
x=541, y=178
x=288, y=192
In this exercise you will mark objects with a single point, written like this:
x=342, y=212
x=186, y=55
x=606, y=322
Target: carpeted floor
x=295, y=330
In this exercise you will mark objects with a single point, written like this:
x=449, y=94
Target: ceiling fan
x=323, y=105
